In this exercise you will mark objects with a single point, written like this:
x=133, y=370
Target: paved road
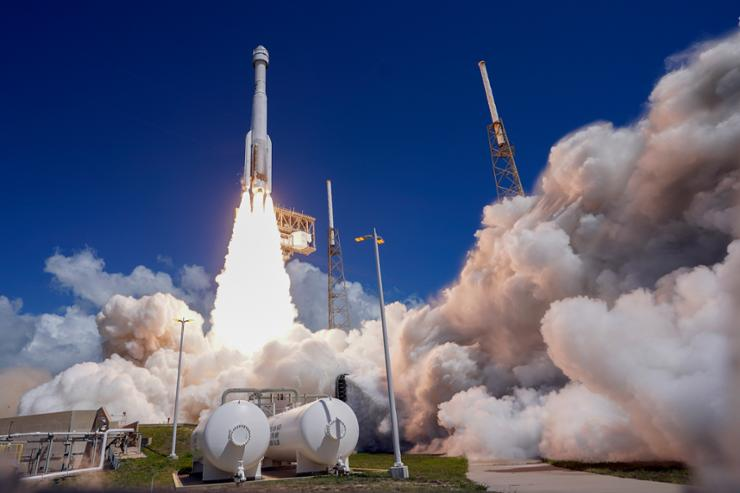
x=540, y=477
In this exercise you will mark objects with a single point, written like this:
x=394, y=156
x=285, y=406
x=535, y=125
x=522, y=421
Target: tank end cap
x=240, y=435
x=336, y=429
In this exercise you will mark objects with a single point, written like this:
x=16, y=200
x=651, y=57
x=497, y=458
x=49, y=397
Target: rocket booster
x=258, y=147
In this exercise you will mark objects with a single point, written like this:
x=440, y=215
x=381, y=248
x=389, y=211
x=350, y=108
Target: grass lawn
x=665, y=472
x=428, y=472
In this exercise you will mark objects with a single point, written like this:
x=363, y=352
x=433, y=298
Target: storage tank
x=231, y=442
x=316, y=436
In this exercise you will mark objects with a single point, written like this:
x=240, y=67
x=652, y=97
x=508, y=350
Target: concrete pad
x=540, y=477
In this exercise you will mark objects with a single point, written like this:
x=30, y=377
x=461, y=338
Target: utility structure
x=398, y=470
x=337, y=287
x=505, y=173
x=182, y=321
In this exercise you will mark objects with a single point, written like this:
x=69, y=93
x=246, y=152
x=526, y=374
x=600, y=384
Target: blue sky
x=122, y=124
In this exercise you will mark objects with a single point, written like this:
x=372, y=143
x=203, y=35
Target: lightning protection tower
x=338, y=299
x=505, y=172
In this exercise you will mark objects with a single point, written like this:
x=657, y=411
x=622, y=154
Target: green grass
x=664, y=472
x=432, y=471
x=156, y=466
x=426, y=467
x=428, y=472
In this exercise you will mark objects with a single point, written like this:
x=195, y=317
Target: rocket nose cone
x=260, y=54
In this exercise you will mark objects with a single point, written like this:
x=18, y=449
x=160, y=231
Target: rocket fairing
x=258, y=147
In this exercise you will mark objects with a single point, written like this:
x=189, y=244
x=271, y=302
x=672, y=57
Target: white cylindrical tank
x=317, y=435
x=231, y=442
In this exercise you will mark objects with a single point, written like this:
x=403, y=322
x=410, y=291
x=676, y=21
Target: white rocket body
x=258, y=149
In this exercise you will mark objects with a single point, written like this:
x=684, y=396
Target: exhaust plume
x=253, y=302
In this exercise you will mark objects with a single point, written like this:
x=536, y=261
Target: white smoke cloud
x=672, y=382
x=572, y=423
x=308, y=288
x=578, y=424
x=141, y=337
x=136, y=328
x=117, y=383
x=488, y=427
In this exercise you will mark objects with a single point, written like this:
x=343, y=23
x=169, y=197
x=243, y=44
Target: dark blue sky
x=122, y=124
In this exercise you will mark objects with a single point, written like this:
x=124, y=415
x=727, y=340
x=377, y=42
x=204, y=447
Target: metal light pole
x=173, y=455
x=399, y=470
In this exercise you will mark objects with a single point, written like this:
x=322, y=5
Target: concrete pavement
x=540, y=477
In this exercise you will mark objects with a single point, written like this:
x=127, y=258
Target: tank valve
x=240, y=476
x=340, y=468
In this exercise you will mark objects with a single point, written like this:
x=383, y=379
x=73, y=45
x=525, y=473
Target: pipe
x=314, y=397
x=48, y=454
x=258, y=392
x=47, y=433
x=99, y=467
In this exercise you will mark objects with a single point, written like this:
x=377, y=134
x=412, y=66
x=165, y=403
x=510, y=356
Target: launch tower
x=505, y=173
x=337, y=295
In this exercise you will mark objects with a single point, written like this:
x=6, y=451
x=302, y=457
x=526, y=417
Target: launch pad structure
x=297, y=232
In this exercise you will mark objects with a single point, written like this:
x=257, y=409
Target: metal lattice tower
x=337, y=288
x=505, y=173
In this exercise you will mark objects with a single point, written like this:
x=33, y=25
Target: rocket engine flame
x=253, y=303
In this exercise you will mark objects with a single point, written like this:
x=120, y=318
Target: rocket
x=258, y=147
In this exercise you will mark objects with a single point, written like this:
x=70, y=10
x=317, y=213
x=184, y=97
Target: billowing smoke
x=618, y=273
x=592, y=320
x=136, y=328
